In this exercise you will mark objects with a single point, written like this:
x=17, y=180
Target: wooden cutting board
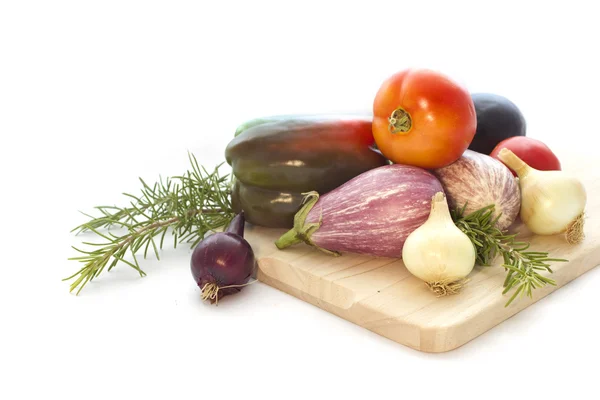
x=380, y=294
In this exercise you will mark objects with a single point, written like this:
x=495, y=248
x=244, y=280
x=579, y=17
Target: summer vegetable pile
x=436, y=176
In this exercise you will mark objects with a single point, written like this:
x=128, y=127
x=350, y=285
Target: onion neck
x=237, y=225
x=439, y=208
x=514, y=162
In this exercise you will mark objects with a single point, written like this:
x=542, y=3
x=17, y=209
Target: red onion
x=372, y=213
x=224, y=262
x=478, y=181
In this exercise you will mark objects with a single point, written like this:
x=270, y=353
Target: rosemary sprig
x=189, y=206
x=523, y=267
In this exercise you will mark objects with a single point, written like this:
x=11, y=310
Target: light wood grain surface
x=380, y=294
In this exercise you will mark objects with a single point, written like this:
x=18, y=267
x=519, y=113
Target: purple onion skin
x=224, y=258
x=479, y=181
x=374, y=212
x=237, y=224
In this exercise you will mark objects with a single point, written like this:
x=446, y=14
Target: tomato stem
x=400, y=121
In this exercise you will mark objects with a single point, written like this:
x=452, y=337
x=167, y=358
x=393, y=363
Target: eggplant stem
x=301, y=232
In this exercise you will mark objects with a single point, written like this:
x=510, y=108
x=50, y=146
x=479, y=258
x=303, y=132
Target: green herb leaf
x=190, y=206
x=522, y=266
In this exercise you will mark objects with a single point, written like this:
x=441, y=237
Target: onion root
x=210, y=291
x=575, y=233
x=442, y=288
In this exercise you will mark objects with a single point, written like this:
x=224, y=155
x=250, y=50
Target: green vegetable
x=523, y=267
x=189, y=206
x=270, y=207
x=276, y=159
x=259, y=121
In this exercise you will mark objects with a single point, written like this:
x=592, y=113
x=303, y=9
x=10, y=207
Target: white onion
x=438, y=252
x=553, y=201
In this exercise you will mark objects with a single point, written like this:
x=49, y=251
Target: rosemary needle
x=189, y=206
x=523, y=267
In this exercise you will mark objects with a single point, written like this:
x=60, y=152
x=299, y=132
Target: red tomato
x=422, y=118
x=535, y=153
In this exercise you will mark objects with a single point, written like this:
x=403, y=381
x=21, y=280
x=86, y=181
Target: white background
x=96, y=94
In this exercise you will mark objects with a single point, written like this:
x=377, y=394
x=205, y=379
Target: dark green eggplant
x=286, y=156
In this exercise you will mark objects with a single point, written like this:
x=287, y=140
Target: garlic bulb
x=552, y=202
x=438, y=252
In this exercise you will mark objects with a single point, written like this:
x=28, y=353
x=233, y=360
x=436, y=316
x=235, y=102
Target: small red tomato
x=535, y=153
x=423, y=118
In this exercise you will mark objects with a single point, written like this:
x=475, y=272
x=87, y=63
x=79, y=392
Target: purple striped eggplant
x=475, y=181
x=372, y=213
